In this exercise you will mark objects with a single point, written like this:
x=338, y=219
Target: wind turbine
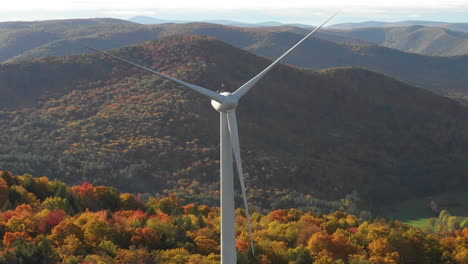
x=225, y=103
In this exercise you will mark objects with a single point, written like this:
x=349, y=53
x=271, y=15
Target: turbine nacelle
x=228, y=104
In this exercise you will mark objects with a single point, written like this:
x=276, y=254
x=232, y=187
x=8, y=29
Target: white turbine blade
x=206, y=92
x=248, y=85
x=233, y=132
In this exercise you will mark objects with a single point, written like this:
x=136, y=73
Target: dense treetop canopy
x=326, y=134
x=46, y=221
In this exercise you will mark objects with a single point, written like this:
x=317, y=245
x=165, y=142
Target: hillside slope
x=367, y=24
x=28, y=40
x=416, y=39
x=19, y=37
x=324, y=133
x=442, y=75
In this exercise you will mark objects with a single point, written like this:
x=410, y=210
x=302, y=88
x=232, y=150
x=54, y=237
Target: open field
x=418, y=212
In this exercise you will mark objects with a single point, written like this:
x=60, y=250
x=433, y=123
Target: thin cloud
x=293, y=11
x=203, y=4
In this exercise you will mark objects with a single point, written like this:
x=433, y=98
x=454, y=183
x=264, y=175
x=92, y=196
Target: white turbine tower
x=225, y=103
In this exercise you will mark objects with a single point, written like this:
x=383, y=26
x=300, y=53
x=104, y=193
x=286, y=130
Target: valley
x=354, y=150
x=442, y=75
x=110, y=124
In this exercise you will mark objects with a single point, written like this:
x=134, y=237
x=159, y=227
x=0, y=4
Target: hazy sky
x=299, y=11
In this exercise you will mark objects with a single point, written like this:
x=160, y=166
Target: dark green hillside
x=113, y=36
x=22, y=41
x=459, y=27
x=324, y=133
x=17, y=38
x=443, y=75
x=416, y=39
x=27, y=82
x=451, y=26
x=61, y=23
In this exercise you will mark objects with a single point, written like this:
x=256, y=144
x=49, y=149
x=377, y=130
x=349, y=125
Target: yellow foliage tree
x=206, y=245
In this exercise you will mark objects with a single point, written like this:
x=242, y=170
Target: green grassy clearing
x=417, y=212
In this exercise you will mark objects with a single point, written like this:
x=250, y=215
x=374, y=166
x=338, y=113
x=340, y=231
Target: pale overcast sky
x=291, y=11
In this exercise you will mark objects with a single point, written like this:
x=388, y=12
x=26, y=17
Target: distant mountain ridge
x=328, y=133
x=444, y=75
x=417, y=39
x=451, y=26
x=154, y=21
x=17, y=38
x=61, y=23
x=58, y=37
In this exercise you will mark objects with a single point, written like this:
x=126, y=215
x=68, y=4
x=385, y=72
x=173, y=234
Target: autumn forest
x=46, y=221
x=101, y=162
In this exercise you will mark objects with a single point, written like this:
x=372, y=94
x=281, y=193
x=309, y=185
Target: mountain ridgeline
x=327, y=133
x=19, y=37
x=443, y=75
x=29, y=40
x=368, y=24
x=416, y=39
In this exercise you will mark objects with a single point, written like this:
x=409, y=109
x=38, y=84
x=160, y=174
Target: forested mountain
x=152, y=21
x=46, y=221
x=27, y=40
x=62, y=24
x=325, y=133
x=451, y=26
x=19, y=37
x=417, y=39
x=443, y=75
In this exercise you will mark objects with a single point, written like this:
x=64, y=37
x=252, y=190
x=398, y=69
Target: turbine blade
x=206, y=92
x=233, y=132
x=248, y=85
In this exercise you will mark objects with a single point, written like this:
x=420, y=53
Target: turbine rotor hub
x=229, y=104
